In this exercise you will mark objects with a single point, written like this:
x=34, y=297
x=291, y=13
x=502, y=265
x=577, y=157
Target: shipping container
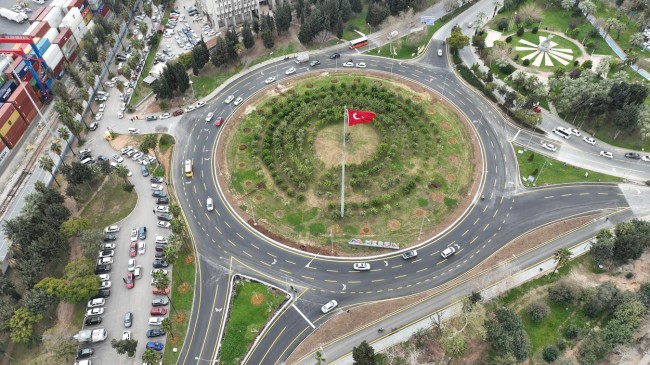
x=6, y=90
x=22, y=102
x=94, y=3
x=54, y=17
x=86, y=14
x=12, y=125
x=33, y=17
x=91, y=25
x=57, y=70
x=25, y=47
x=46, y=10
x=4, y=63
x=20, y=68
x=103, y=10
x=79, y=33
x=42, y=46
x=68, y=48
x=64, y=35
x=71, y=57
x=53, y=56
x=38, y=29
x=99, y=7
x=51, y=34
x=72, y=19
x=81, y=4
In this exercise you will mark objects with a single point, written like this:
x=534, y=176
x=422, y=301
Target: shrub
x=550, y=354
x=571, y=332
x=531, y=157
x=538, y=311
x=563, y=292
x=509, y=39
x=502, y=24
x=535, y=172
x=507, y=69
x=526, y=62
x=576, y=63
x=588, y=64
x=535, y=29
x=629, y=275
x=520, y=32
x=163, y=105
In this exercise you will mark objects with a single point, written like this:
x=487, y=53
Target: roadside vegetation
x=545, y=170
x=585, y=312
x=252, y=306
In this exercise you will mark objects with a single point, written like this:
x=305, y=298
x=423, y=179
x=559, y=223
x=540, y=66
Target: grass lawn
x=359, y=23
x=182, y=297
x=549, y=330
x=290, y=49
x=407, y=47
x=535, y=39
x=552, y=171
x=111, y=204
x=165, y=142
x=252, y=307
x=209, y=79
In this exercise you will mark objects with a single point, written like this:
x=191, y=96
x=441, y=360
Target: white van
x=155, y=321
x=138, y=272
x=562, y=132
x=209, y=205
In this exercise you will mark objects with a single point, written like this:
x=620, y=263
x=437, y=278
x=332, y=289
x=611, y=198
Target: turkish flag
x=359, y=117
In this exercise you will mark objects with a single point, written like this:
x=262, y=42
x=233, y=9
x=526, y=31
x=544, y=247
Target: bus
x=357, y=43
x=188, y=168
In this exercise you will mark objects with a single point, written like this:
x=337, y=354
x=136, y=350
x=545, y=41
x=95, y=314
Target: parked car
x=112, y=229
x=160, y=263
x=128, y=319
x=163, y=224
x=156, y=332
x=158, y=346
x=160, y=302
x=92, y=321
x=151, y=118
x=162, y=200
x=177, y=112
x=158, y=311
x=109, y=237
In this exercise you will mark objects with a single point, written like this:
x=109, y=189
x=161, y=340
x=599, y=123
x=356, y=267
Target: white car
x=106, y=253
x=361, y=266
x=156, y=187
x=189, y=108
x=229, y=99
x=409, y=254
x=120, y=115
x=606, y=154
x=104, y=260
x=549, y=147
x=134, y=235
x=200, y=104
x=449, y=251
x=290, y=71
x=104, y=277
x=589, y=140
x=361, y=65
x=95, y=312
x=162, y=209
x=97, y=302
x=142, y=246
x=108, y=246
x=440, y=52
x=269, y=80
x=129, y=91
x=575, y=132
x=238, y=100
x=329, y=306
x=117, y=157
x=105, y=284
x=209, y=117
x=131, y=265
x=85, y=150
x=99, y=116
x=645, y=158
x=102, y=106
x=134, y=131
x=112, y=229
x=165, y=116
x=163, y=224
x=126, y=335
x=348, y=64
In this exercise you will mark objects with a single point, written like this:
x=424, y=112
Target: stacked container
x=103, y=10
x=81, y=4
x=37, y=29
x=54, y=17
x=60, y=4
x=6, y=90
x=23, y=104
x=95, y=5
x=42, y=46
x=4, y=150
x=78, y=33
x=43, y=14
x=51, y=34
x=67, y=43
x=54, y=59
x=36, y=13
x=87, y=15
x=12, y=125
x=71, y=20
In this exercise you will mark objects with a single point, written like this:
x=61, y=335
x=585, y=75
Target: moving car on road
x=449, y=251
x=549, y=147
x=238, y=101
x=268, y=81
x=409, y=254
x=229, y=99
x=329, y=306
x=606, y=154
x=361, y=266
x=208, y=117
x=589, y=140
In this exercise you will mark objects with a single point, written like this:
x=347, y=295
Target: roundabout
x=228, y=243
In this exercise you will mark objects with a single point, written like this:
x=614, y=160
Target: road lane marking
x=426, y=268
x=286, y=272
x=330, y=281
x=377, y=280
x=291, y=262
x=330, y=270
x=401, y=276
x=302, y=315
x=306, y=277
x=232, y=243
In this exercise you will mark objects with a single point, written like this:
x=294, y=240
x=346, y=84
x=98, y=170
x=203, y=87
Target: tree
x=305, y=34
x=377, y=13
x=78, y=268
x=64, y=134
x=60, y=90
x=123, y=172
x=356, y=6
x=339, y=27
x=150, y=357
x=561, y=257
x=363, y=354
x=587, y=7
x=21, y=325
x=602, y=250
x=609, y=23
x=90, y=241
x=38, y=301
x=630, y=240
x=457, y=40
x=247, y=36
x=127, y=347
x=219, y=54
x=318, y=356
x=74, y=226
x=7, y=309
x=52, y=286
x=167, y=326
x=46, y=163
x=77, y=173
x=506, y=334
x=256, y=26
x=267, y=37
x=636, y=40
x=7, y=288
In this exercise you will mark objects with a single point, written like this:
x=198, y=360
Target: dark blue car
x=158, y=346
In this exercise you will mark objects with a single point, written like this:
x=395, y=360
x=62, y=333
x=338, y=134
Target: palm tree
x=619, y=26
x=122, y=172
x=150, y=357
x=497, y=4
x=636, y=40
x=163, y=282
x=561, y=256
x=46, y=163
x=167, y=326
x=319, y=358
x=609, y=23
x=55, y=147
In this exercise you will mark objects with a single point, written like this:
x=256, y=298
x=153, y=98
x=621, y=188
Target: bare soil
x=328, y=145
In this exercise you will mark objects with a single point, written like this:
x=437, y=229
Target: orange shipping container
x=23, y=104
x=12, y=125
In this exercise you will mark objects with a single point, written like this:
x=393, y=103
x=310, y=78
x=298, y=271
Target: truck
x=12, y=15
x=302, y=57
x=91, y=336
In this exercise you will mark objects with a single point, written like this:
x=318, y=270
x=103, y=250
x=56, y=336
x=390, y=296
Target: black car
x=163, y=200
x=160, y=247
x=92, y=321
x=155, y=333
x=158, y=194
x=633, y=155
x=85, y=353
x=102, y=158
x=156, y=180
x=102, y=269
x=103, y=293
x=161, y=256
x=157, y=264
x=160, y=302
x=335, y=55
x=110, y=237
x=165, y=216
x=151, y=117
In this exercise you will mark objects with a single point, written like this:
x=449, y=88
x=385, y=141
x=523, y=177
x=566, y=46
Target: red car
x=133, y=249
x=130, y=283
x=218, y=121
x=158, y=311
x=177, y=112
x=537, y=109
x=157, y=291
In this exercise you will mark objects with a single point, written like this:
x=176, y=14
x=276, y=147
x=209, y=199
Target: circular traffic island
x=409, y=172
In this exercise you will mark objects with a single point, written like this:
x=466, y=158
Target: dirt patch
x=445, y=126
x=184, y=287
x=247, y=130
x=259, y=198
x=360, y=146
x=438, y=197
x=340, y=325
x=365, y=230
x=334, y=81
x=450, y=178
x=257, y=298
x=242, y=147
x=180, y=317
x=419, y=213
x=640, y=268
x=189, y=260
x=394, y=225
x=248, y=184
x=453, y=159
x=334, y=229
x=452, y=140
x=242, y=165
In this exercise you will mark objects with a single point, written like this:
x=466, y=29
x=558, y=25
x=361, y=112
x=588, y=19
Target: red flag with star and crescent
x=359, y=117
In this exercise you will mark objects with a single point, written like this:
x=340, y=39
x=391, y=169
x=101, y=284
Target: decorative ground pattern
x=545, y=51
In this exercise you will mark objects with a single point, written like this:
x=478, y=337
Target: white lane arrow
x=385, y=263
x=274, y=261
x=344, y=287
x=218, y=310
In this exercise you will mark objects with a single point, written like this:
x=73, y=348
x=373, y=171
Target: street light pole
x=422, y=224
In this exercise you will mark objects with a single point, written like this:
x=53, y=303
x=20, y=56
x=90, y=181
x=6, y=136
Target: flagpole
x=345, y=125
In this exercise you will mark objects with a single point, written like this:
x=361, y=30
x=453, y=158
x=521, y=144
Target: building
x=223, y=13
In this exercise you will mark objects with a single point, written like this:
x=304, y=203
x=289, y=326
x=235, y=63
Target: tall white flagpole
x=345, y=129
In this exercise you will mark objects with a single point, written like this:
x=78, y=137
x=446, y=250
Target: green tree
x=305, y=34
x=267, y=36
x=457, y=40
x=318, y=356
x=506, y=334
x=52, y=286
x=81, y=289
x=78, y=268
x=123, y=172
x=219, y=56
x=631, y=238
x=60, y=90
x=74, y=226
x=256, y=26
x=90, y=241
x=231, y=41
x=602, y=250
x=167, y=326
x=561, y=257
x=363, y=354
x=150, y=357
x=127, y=347
x=7, y=309
x=21, y=325
x=7, y=288
x=38, y=301
x=247, y=35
